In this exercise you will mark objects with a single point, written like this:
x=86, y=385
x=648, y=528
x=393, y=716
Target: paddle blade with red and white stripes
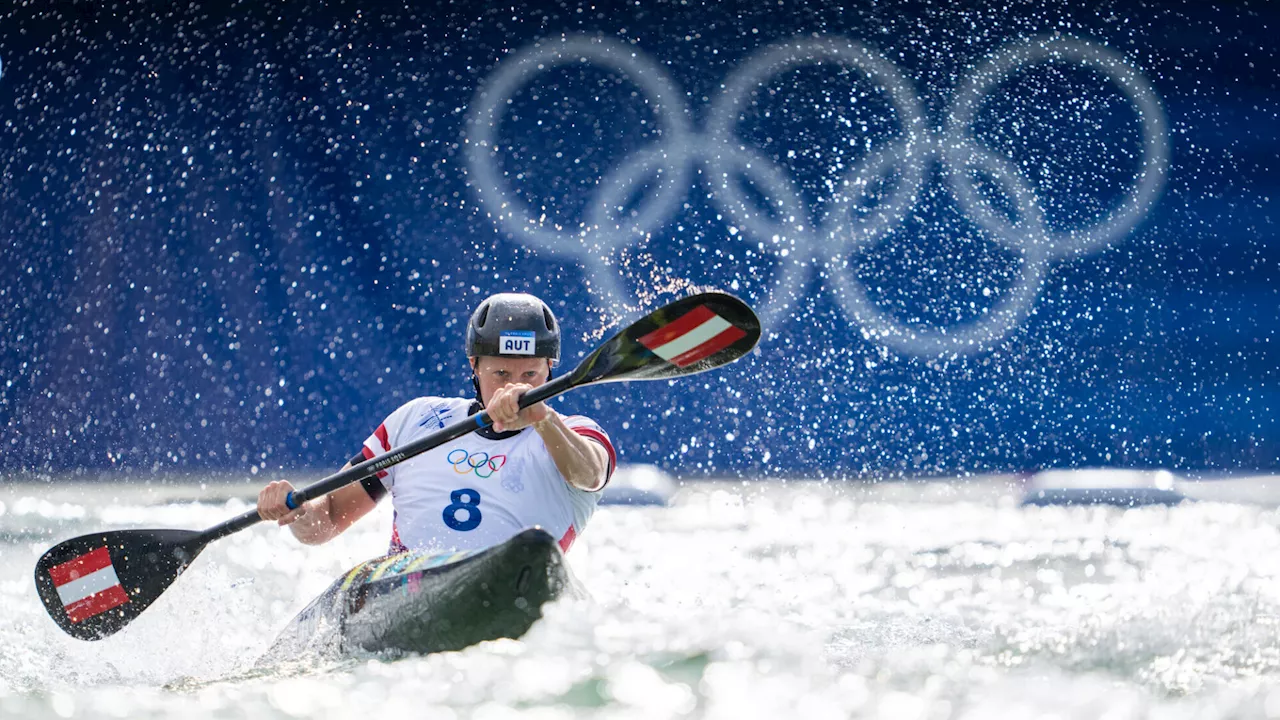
x=94, y=585
x=698, y=333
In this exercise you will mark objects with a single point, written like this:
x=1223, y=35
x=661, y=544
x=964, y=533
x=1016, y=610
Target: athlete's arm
x=320, y=520
x=582, y=462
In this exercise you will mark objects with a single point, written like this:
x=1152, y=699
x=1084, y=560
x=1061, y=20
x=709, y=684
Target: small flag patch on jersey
x=698, y=334
x=88, y=585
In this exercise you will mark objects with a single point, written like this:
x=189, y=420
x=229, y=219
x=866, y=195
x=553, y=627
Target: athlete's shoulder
x=577, y=421
x=590, y=429
x=585, y=426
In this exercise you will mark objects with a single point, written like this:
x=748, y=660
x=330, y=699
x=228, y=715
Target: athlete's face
x=495, y=373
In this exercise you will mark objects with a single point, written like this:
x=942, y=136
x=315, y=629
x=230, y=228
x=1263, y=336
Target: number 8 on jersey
x=467, y=501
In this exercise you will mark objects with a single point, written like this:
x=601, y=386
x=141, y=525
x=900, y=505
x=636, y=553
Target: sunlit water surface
x=904, y=601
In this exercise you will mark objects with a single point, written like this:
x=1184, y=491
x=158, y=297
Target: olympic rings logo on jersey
x=480, y=463
x=804, y=244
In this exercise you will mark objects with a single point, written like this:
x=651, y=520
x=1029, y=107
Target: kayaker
x=532, y=467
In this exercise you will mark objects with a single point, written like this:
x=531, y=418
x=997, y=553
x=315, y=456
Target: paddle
x=94, y=585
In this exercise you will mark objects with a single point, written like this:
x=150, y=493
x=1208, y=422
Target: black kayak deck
x=421, y=602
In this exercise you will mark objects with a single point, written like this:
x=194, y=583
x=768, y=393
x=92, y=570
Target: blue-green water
x=905, y=601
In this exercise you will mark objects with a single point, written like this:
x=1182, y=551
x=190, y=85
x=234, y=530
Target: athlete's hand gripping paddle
x=96, y=584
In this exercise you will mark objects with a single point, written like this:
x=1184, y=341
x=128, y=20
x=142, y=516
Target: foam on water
x=945, y=600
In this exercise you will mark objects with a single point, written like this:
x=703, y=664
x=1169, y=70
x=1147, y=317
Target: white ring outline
x=776, y=59
x=1155, y=148
x=792, y=274
x=488, y=111
x=996, y=322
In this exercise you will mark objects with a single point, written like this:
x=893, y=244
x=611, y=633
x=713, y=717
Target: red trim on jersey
x=396, y=545
x=368, y=455
x=566, y=541
x=381, y=433
x=603, y=440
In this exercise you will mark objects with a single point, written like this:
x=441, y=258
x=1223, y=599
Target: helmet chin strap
x=475, y=379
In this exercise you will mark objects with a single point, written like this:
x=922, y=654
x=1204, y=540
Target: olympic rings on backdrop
x=480, y=462
x=850, y=221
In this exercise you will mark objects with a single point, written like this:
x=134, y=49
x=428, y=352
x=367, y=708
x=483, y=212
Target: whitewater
x=741, y=599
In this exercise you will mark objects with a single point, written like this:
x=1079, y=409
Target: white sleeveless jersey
x=475, y=492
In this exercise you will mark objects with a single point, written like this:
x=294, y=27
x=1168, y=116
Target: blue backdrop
x=982, y=236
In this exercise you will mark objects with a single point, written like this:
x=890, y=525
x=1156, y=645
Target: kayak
x=422, y=602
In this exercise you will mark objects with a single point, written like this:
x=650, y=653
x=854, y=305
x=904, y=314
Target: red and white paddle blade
x=96, y=584
x=692, y=335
